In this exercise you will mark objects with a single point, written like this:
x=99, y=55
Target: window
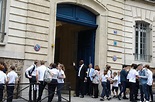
x=2, y=19
x=142, y=41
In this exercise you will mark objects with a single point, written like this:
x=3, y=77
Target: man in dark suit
x=81, y=77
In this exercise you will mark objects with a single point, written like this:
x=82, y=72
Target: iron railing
x=20, y=87
x=142, y=57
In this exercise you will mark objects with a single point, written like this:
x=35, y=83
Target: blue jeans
x=144, y=91
x=104, y=90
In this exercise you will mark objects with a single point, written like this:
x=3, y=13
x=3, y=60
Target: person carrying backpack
x=30, y=73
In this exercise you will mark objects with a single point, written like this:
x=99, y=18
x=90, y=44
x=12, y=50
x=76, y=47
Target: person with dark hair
x=109, y=73
x=54, y=82
x=132, y=75
x=96, y=81
x=149, y=82
x=40, y=79
x=81, y=77
x=143, y=77
x=123, y=76
x=31, y=74
x=12, y=78
x=3, y=80
x=5, y=67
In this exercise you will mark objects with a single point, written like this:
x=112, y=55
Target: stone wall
x=15, y=62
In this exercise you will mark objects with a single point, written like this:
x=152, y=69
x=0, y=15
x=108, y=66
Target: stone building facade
x=124, y=32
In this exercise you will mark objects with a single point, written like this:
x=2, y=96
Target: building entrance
x=75, y=38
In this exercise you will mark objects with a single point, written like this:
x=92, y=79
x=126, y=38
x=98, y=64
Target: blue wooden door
x=86, y=46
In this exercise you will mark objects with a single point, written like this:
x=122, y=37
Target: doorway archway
x=75, y=37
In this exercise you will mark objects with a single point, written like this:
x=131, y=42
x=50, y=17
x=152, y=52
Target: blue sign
x=114, y=58
x=115, y=43
x=115, y=32
x=37, y=47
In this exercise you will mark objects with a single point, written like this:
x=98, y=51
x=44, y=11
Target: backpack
x=47, y=76
x=30, y=72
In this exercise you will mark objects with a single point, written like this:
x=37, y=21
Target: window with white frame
x=142, y=41
x=2, y=19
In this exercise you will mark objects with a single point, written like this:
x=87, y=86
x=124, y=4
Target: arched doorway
x=75, y=37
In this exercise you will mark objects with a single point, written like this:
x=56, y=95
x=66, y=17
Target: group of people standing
x=35, y=75
x=9, y=79
x=135, y=77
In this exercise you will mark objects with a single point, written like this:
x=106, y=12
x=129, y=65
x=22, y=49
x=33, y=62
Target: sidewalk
x=77, y=99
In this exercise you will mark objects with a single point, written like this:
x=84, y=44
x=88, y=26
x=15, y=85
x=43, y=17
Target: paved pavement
x=77, y=99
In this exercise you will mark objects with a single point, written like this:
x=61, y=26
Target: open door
x=86, y=46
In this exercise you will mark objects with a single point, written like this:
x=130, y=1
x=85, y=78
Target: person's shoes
x=137, y=99
x=125, y=98
x=76, y=96
x=101, y=99
x=108, y=98
x=119, y=98
x=81, y=96
x=114, y=96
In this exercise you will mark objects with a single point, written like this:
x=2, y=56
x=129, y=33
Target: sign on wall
x=37, y=47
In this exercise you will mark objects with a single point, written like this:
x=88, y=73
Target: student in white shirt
x=104, y=78
x=61, y=77
x=40, y=79
x=109, y=73
x=53, y=84
x=12, y=79
x=3, y=80
x=149, y=81
x=31, y=73
x=115, y=85
x=132, y=75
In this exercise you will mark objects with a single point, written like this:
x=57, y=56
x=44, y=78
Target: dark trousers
x=89, y=86
x=132, y=91
x=96, y=91
x=41, y=88
x=123, y=90
x=1, y=92
x=59, y=88
x=144, y=91
x=136, y=89
x=120, y=87
x=150, y=92
x=108, y=87
x=51, y=89
x=32, y=82
x=10, y=90
x=104, y=90
x=80, y=87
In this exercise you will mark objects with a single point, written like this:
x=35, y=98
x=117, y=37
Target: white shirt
x=30, y=68
x=132, y=75
x=109, y=73
x=12, y=76
x=3, y=77
x=104, y=78
x=41, y=70
x=115, y=83
x=80, y=69
x=54, y=72
x=60, y=73
x=150, y=77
